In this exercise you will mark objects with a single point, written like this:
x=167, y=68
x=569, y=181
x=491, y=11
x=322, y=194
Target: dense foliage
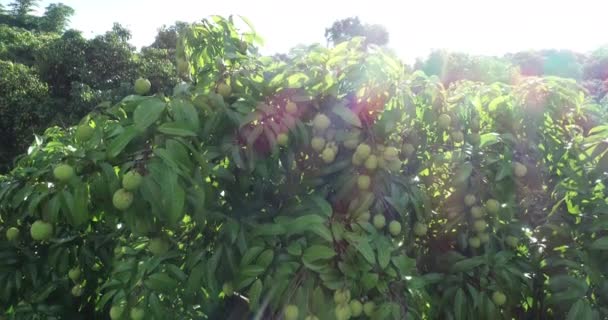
x=79, y=73
x=328, y=184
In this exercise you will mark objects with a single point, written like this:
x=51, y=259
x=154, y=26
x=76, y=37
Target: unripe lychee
x=122, y=199
x=420, y=229
x=12, y=234
x=142, y=86
x=371, y=163
x=492, y=206
x=394, y=227
x=131, y=180
x=328, y=155
x=224, y=90
x=363, y=151
x=321, y=122
x=379, y=221
x=474, y=242
x=363, y=182
x=84, y=132
x=63, y=172
x=443, y=121
x=41, y=230
x=317, y=143
x=469, y=200
x=519, y=169
x=291, y=107
x=282, y=139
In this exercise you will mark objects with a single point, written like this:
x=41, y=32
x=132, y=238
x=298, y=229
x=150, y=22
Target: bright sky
x=475, y=26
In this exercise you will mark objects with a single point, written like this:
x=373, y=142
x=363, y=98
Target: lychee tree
x=324, y=184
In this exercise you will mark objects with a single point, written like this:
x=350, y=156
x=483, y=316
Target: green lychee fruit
x=420, y=229
x=379, y=221
x=122, y=199
x=321, y=122
x=142, y=86
x=394, y=227
x=131, y=180
x=282, y=139
x=63, y=172
x=12, y=234
x=499, y=298
x=41, y=231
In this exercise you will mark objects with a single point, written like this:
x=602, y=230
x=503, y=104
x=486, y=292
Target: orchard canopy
x=327, y=183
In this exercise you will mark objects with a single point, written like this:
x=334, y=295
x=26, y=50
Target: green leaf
x=580, y=310
x=488, y=139
x=119, y=143
x=269, y=229
x=347, y=115
x=147, y=112
x=369, y=280
x=255, y=292
x=161, y=282
x=459, y=302
x=600, y=244
x=185, y=112
x=181, y=129
x=252, y=270
x=362, y=245
x=318, y=252
x=467, y=264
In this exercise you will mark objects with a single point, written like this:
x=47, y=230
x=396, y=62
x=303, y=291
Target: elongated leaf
x=600, y=244
x=147, y=112
x=181, y=129
x=119, y=143
x=347, y=115
x=318, y=252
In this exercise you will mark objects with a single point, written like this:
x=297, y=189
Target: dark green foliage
x=23, y=109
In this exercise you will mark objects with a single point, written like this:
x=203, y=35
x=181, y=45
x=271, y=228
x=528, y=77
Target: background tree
x=346, y=29
x=56, y=18
x=23, y=109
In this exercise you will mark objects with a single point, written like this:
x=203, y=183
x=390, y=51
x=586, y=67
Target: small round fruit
x=74, y=274
x=282, y=139
x=317, y=143
x=227, y=289
x=63, y=172
x=158, y=246
x=356, y=308
x=291, y=107
x=484, y=237
x=12, y=234
x=371, y=163
x=519, y=169
x=116, y=312
x=364, y=216
x=122, y=199
x=142, y=86
x=363, y=151
x=137, y=314
x=328, y=155
x=469, y=200
x=474, y=242
x=480, y=225
x=420, y=229
x=321, y=122
x=224, y=90
x=369, y=308
x=357, y=161
x=311, y=317
x=457, y=136
x=379, y=221
x=84, y=132
x=394, y=165
x=390, y=153
x=444, y=121
x=512, y=241
x=408, y=149
x=343, y=312
x=363, y=182
x=492, y=206
x=394, y=228
x=341, y=296
x=77, y=290
x=41, y=231
x=131, y=180
x=499, y=298
x=291, y=312
x=476, y=212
